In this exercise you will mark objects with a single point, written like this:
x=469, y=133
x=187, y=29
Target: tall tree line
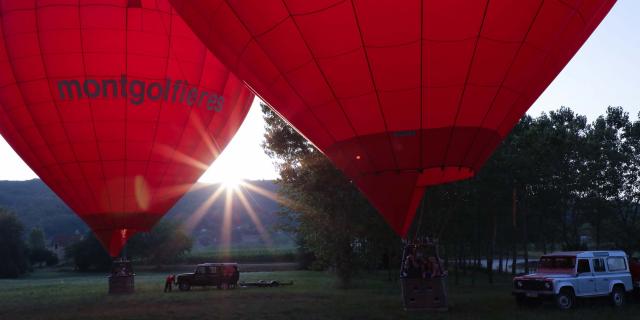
x=557, y=182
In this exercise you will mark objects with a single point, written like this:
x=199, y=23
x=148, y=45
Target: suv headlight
x=548, y=285
x=519, y=284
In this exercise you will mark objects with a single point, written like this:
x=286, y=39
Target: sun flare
x=232, y=183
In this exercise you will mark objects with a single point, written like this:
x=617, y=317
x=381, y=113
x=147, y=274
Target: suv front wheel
x=184, y=286
x=617, y=297
x=565, y=299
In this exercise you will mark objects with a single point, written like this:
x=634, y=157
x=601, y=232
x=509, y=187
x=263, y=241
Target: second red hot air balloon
x=115, y=104
x=400, y=95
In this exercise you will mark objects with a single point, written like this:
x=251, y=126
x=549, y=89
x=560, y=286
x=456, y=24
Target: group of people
x=418, y=266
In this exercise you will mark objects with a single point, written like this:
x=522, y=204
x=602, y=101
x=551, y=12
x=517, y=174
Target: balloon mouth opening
x=114, y=240
x=115, y=229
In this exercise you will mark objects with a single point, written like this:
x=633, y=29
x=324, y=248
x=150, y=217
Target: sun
x=232, y=183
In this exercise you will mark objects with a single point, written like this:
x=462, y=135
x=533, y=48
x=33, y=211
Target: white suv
x=563, y=276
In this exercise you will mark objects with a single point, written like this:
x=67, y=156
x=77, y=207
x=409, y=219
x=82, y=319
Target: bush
x=88, y=254
x=13, y=251
x=165, y=243
x=42, y=256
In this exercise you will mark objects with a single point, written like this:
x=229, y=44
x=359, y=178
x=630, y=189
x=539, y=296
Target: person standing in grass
x=235, y=277
x=168, y=284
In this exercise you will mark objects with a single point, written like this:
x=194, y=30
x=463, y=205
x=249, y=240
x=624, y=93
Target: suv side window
x=200, y=270
x=616, y=264
x=583, y=266
x=598, y=265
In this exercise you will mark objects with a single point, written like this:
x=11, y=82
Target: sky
x=605, y=72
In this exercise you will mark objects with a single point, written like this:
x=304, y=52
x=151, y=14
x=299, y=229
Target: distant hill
x=37, y=206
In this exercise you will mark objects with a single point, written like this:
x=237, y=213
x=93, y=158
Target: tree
x=42, y=256
x=330, y=216
x=36, y=239
x=38, y=253
x=89, y=254
x=166, y=242
x=13, y=251
x=575, y=184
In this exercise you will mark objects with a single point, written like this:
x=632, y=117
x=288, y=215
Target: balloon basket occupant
x=422, y=277
x=121, y=279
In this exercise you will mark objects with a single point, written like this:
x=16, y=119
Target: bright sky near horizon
x=605, y=72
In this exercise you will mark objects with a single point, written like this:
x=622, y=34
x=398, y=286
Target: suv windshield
x=557, y=264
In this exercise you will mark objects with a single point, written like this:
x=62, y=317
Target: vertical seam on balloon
x=220, y=148
x=502, y=82
x=501, y=123
x=205, y=53
x=84, y=67
x=209, y=30
x=173, y=162
x=223, y=127
x=422, y=89
x=44, y=67
x=281, y=73
x=464, y=86
x=375, y=87
x=333, y=92
x=166, y=69
x=126, y=111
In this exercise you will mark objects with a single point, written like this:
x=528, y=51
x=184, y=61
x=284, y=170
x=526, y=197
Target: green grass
x=60, y=295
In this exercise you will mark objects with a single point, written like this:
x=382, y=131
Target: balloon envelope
x=115, y=104
x=400, y=95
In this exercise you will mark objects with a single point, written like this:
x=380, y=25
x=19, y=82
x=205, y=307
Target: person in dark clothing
x=235, y=277
x=168, y=284
x=412, y=265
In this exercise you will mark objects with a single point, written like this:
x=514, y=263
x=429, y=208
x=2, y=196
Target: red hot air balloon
x=115, y=104
x=400, y=95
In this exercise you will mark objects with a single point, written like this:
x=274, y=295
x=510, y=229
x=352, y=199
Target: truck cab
x=565, y=276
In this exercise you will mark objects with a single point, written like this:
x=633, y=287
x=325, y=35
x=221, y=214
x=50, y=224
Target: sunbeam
x=197, y=215
x=226, y=221
x=169, y=192
x=273, y=196
x=175, y=155
x=254, y=218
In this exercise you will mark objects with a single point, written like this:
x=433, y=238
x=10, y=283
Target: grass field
x=62, y=295
x=239, y=254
